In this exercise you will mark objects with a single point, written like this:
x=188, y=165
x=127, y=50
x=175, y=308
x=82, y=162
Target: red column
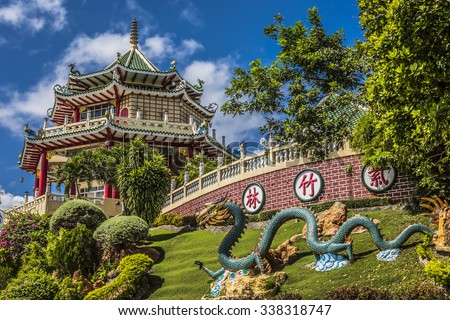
x=115, y=193
x=73, y=189
x=190, y=152
x=43, y=174
x=107, y=191
x=76, y=115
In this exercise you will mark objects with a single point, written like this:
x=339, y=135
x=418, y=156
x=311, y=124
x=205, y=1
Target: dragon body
x=222, y=210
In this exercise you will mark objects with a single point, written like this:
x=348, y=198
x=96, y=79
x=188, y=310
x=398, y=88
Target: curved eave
x=66, y=102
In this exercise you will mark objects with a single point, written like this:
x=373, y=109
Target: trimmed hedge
x=174, y=220
x=133, y=281
x=262, y=216
x=75, y=212
x=121, y=230
x=31, y=286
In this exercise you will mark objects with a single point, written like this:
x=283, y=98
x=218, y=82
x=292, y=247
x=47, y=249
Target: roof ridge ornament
x=134, y=39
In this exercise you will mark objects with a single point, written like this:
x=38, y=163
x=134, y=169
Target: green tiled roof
x=134, y=59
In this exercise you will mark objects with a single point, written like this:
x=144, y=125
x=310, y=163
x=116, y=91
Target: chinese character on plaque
x=378, y=180
x=253, y=198
x=308, y=185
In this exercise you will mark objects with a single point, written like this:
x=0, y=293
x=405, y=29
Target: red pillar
x=107, y=191
x=73, y=189
x=115, y=193
x=76, y=115
x=43, y=174
x=190, y=152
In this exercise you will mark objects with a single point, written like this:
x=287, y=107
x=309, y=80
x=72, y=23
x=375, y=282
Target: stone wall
x=278, y=185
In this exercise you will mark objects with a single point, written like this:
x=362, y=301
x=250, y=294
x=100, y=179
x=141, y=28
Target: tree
x=294, y=92
x=79, y=168
x=142, y=179
x=408, y=93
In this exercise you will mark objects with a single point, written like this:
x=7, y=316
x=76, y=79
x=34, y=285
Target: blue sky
x=39, y=38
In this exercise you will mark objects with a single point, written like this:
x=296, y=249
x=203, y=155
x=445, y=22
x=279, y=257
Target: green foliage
x=121, y=230
x=34, y=259
x=439, y=271
x=142, y=179
x=72, y=250
x=352, y=204
x=31, y=286
x=192, y=167
x=354, y=292
x=6, y=274
x=174, y=220
x=408, y=92
x=21, y=229
x=289, y=296
x=423, y=292
x=312, y=83
x=423, y=249
x=132, y=283
x=70, y=290
x=75, y=212
x=262, y=216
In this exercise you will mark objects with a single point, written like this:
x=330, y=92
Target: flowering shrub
x=21, y=229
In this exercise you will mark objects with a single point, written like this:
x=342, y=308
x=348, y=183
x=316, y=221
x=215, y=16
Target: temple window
x=97, y=111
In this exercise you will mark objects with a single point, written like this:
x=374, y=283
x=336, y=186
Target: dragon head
x=215, y=213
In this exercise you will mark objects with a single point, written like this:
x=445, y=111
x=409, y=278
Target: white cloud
x=217, y=76
x=90, y=53
x=160, y=47
x=34, y=14
x=190, y=13
x=9, y=200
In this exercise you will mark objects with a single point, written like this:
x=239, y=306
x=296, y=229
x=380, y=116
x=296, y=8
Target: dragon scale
x=336, y=244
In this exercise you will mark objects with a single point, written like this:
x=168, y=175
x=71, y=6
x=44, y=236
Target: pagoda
x=131, y=98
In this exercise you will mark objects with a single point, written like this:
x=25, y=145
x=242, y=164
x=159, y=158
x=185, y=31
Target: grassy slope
x=177, y=277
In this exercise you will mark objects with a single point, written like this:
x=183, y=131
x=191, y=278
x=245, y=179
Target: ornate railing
x=246, y=167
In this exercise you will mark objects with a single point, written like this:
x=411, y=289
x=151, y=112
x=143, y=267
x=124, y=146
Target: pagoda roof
x=117, y=129
x=66, y=100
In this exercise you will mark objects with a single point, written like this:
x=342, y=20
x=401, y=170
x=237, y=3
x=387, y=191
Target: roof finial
x=134, y=34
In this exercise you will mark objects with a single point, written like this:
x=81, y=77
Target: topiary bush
x=31, y=286
x=70, y=290
x=72, y=250
x=121, y=230
x=75, y=212
x=133, y=281
x=354, y=292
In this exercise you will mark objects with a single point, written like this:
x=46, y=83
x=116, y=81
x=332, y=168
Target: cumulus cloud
x=159, y=47
x=9, y=200
x=217, y=76
x=90, y=53
x=34, y=14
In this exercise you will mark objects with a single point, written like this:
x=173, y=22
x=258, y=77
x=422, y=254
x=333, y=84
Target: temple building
x=128, y=99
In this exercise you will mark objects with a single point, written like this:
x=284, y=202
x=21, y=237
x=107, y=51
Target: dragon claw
x=200, y=265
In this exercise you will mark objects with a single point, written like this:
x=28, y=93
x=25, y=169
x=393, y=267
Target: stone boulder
x=329, y=221
x=285, y=254
x=239, y=285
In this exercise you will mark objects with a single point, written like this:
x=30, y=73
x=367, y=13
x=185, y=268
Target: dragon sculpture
x=217, y=212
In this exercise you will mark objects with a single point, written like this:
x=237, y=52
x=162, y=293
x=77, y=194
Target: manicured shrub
x=21, y=229
x=439, y=271
x=262, y=216
x=72, y=250
x=133, y=281
x=31, y=286
x=174, y=220
x=354, y=292
x=120, y=231
x=423, y=292
x=75, y=212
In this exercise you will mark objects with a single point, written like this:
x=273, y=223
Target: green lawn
x=177, y=277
